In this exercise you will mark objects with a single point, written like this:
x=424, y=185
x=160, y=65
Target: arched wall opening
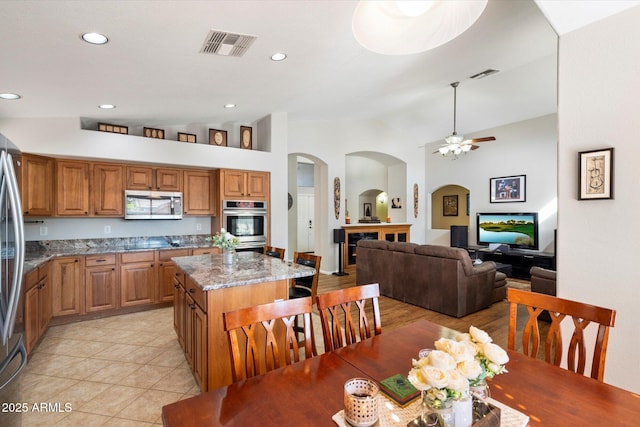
x=376, y=181
x=307, y=219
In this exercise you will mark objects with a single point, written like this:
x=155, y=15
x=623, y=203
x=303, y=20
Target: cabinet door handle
x=176, y=286
x=192, y=306
x=101, y=260
x=192, y=291
x=151, y=265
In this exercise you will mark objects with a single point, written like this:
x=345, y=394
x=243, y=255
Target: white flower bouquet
x=436, y=374
x=225, y=240
x=448, y=371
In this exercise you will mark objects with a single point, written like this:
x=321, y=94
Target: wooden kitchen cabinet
x=166, y=273
x=150, y=178
x=199, y=196
x=179, y=307
x=108, y=189
x=101, y=283
x=72, y=188
x=37, y=304
x=197, y=331
x=137, y=278
x=238, y=184
x=36, y=176
x=67, y=284
x=190, y=323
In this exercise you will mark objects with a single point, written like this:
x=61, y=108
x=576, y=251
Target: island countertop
x=208, y=272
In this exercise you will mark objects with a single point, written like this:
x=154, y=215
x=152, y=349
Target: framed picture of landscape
x=595, y=178
x=505, y=189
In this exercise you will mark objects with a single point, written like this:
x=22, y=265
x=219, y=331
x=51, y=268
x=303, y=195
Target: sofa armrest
x=486, y=266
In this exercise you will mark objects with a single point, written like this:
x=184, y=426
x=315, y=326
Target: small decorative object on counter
x=228, y=243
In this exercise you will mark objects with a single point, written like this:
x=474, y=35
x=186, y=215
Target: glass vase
x=463, y=410
x=437, y=413
x=229, y=256
x=480, y=390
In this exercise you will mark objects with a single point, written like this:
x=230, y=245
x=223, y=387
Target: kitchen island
x=205, y=288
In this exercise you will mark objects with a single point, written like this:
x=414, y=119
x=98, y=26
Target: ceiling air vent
x=226, y=44
x=484, y=73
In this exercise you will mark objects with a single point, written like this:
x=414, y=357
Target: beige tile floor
x=116, y=371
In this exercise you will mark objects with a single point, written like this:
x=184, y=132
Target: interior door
x=306, y=222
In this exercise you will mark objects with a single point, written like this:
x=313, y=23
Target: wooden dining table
x=311, y=392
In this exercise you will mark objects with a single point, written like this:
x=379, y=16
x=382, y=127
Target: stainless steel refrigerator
x=13, y=355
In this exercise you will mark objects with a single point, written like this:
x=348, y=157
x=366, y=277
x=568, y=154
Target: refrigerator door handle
x=9, y=178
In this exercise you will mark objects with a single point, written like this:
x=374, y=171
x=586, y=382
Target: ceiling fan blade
x=486, y=138
x=474, y=147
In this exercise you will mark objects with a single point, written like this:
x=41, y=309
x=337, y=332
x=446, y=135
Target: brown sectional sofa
x=437, y=278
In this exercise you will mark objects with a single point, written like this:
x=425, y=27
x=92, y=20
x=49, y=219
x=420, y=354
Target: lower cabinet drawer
x=97, y=260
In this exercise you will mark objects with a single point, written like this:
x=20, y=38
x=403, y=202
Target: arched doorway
x=450, y=206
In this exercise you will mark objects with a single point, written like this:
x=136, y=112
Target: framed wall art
x=246, y=137
x=595, y=178
x=218, y=137
x=186, y=137
x=153, y=133
x=507, y=189
x=450, y=205
x=106, y=127
x=366, y=208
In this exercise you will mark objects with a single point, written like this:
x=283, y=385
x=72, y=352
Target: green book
x=399, y=389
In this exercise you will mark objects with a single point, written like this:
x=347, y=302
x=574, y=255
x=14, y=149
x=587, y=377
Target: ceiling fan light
x=466, y=147
x=454, y=139
x=381, y=27
x=443, y=150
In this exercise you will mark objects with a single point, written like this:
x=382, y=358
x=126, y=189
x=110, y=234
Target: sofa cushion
x=373, y=244
x=403, y=247
x=447, y=252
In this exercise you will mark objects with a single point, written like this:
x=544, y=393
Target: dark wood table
x=310, y=392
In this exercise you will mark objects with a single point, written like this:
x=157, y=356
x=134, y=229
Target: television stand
x=520, y=260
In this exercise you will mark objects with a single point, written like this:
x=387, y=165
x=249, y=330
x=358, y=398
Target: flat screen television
x=518, y=230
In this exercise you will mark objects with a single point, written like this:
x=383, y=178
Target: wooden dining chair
x=307, y=286
x=274, y=252
x=581, y=314
x=337, y=313
x=262, y=338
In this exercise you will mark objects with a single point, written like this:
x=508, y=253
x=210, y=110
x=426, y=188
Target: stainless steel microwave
x=152, y=205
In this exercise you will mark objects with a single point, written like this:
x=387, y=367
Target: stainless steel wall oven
x=247, y=220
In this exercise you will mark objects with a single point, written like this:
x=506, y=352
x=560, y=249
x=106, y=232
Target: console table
x=520, y=260
x=390, y=232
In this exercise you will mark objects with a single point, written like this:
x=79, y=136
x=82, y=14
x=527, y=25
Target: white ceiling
x=153, y=71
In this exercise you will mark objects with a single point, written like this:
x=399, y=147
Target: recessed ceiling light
x=229, y=105
x=279, y=56
x=107, y=106
x=10, y=96
x=95, y=38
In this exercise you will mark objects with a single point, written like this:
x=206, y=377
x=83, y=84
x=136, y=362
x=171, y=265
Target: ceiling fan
x=456, y=144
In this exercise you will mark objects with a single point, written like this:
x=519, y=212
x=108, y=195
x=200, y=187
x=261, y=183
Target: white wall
x=524, y=148
x=363, y=174
x=599, y=241
x=331, y=143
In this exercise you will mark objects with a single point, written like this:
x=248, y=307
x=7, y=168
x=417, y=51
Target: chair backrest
x=581, y=314
x=262, y=338
x=308, y=282
x=274, y=252
x=337, y=315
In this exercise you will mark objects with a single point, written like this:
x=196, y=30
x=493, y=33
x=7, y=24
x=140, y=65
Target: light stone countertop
x=208, y=271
